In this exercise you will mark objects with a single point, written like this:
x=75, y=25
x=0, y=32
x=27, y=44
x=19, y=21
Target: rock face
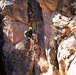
x=18, y=60
x=17, y=10
x=67, y=52
x=2, y=72
x=50, y=44
x=56, y=27
x=67, y=56
x=48, y=4
x=13, y=30
x=53, y=29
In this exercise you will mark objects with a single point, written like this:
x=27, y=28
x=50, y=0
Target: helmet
x=30, y=28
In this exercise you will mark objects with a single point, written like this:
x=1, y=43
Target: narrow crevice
x=36, y=19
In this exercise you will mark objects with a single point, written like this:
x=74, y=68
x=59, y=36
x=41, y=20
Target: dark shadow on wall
x=35, y=15
x=2, y=66
x=21, y=63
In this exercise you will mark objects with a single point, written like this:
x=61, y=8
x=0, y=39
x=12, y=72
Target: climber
x=31, y=36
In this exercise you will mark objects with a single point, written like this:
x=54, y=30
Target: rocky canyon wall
x=17, y=59
x=54, y=53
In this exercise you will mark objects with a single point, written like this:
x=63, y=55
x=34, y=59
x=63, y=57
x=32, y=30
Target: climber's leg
x=31, y=44
x=36, y=38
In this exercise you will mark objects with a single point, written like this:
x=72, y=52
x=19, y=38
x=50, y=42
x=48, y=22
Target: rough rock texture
x=67, y=56
x=49, y=4
x=4, y=3
x=53, y=26
x=50, y=33
x=18, y=60
x=13, y=30
x=57, y=28
x=67, y=52
x=17, y=10
x=19, y=63
x=2, y=72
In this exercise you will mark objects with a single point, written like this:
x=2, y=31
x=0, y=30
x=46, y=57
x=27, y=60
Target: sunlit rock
x=4, y=3
x=21, y=45
x=66, y=56
x=13, y=31
x=17, y=10
x=51, y=5
x=60, y=20
x=72, y=24
x=56, y=17
x=46, y=67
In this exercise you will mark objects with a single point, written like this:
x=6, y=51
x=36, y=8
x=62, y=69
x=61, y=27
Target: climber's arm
x=25, y=33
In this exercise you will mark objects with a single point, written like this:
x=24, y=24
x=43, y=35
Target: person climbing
x=32, y=37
